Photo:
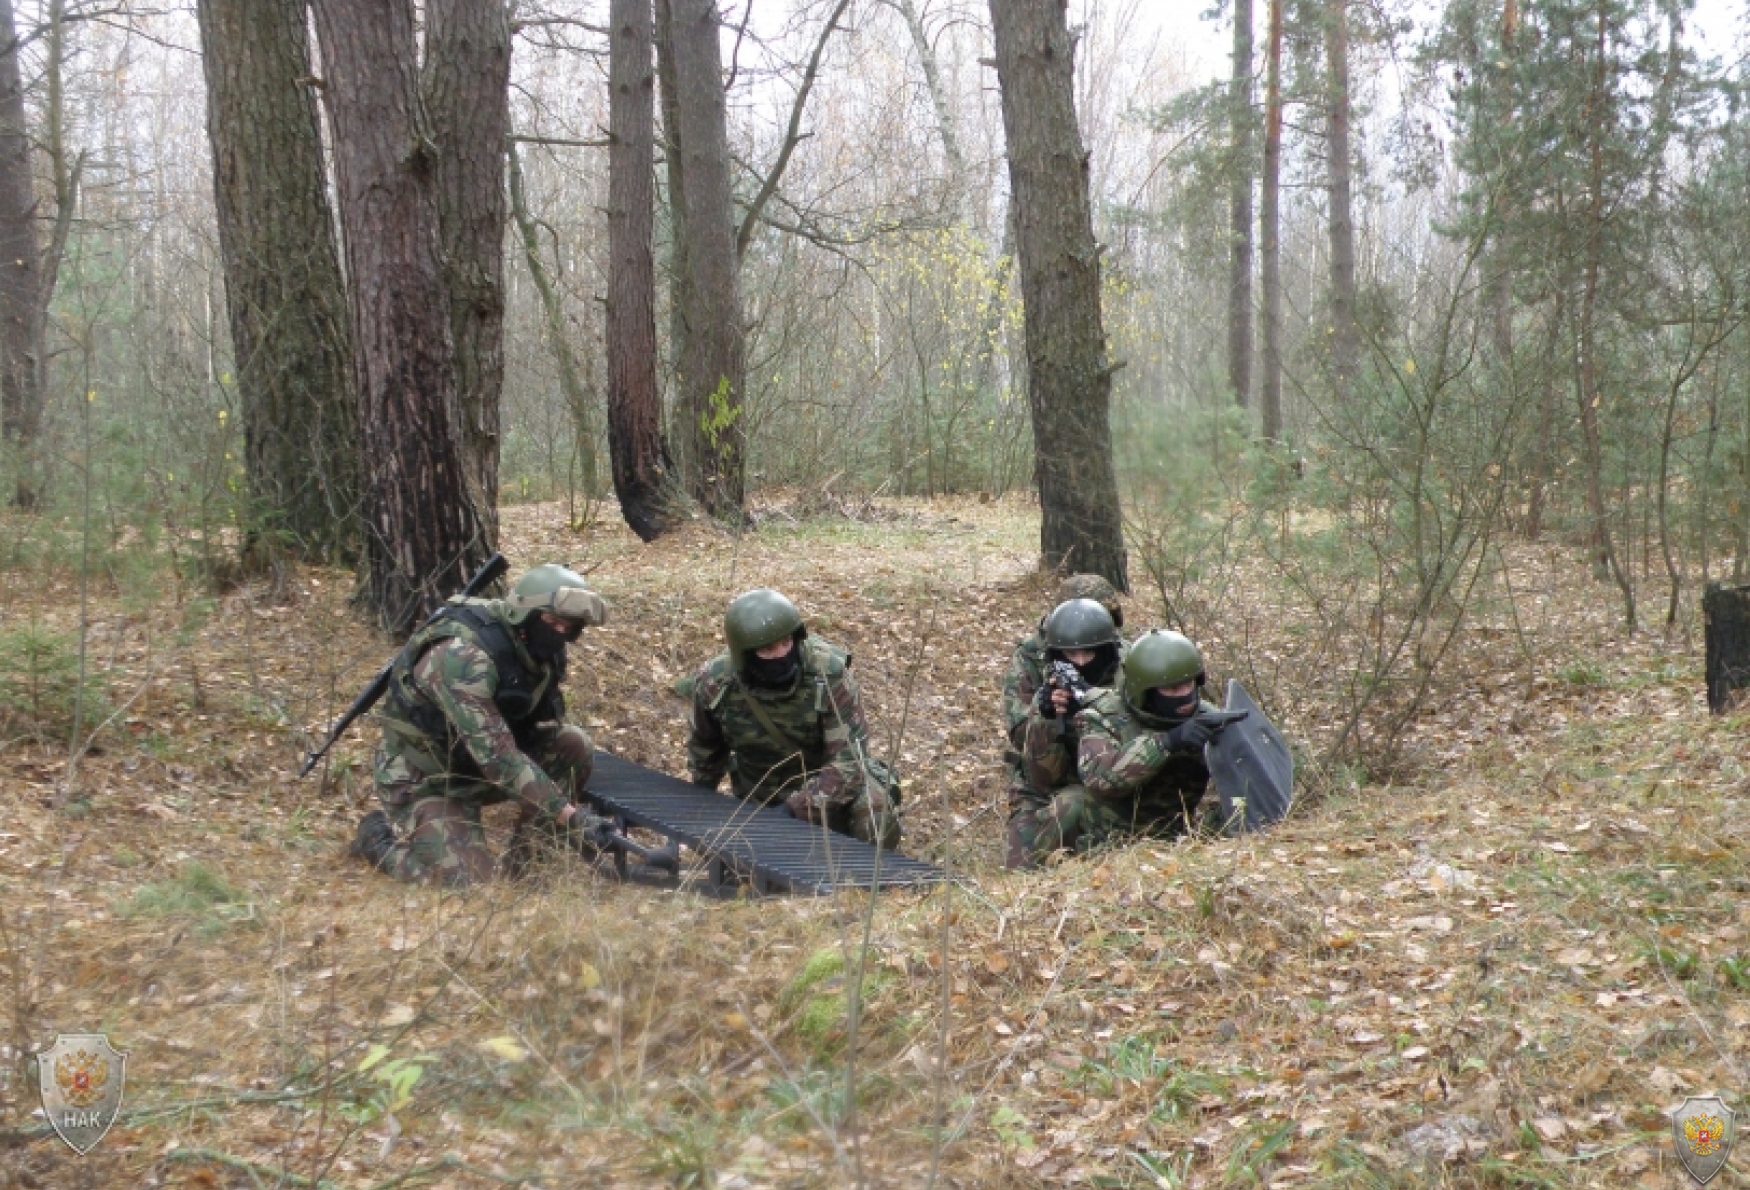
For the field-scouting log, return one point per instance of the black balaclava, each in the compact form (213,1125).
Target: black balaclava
(1098,672)
(773,673)
(1175,709)
(547,643)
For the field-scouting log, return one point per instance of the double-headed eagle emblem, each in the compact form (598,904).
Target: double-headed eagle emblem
(1702,1131)
(82,1076)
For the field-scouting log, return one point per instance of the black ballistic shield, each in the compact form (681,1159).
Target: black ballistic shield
(1251,765)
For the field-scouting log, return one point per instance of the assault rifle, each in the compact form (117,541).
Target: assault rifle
(1065,676)
(489,573)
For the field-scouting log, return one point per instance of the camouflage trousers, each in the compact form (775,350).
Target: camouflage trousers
(437,814)
(1075,820)
(872,816)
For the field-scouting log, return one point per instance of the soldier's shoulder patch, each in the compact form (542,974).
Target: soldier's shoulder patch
(711,681)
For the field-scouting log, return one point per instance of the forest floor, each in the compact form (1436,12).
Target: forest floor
(1502,971)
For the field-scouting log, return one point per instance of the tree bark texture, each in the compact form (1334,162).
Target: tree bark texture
(642,478)
(1726,614)
(1239,291)
(467,99)
(1270,232)
(1345,336)
(1069,376)
(284,295)
(712,380)
(21,282)
(423,534)
(679,302)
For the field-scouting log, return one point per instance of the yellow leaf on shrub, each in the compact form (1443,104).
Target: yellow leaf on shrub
(589,977)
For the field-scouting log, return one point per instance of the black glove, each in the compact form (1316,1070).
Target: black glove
(1042,700)
(584,829)
(1189,736)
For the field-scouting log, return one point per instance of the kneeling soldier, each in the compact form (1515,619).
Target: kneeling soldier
(1139,767)
(474,716)
(778,711)
(1026,674)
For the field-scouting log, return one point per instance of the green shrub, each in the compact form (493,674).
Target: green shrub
(39,685)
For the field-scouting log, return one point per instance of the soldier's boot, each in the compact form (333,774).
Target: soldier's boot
(375,838)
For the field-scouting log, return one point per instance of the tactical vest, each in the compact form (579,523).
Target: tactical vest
(1183,774)
(524,697)
(777,737)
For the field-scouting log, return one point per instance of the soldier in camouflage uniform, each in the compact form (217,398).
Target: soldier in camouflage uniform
(1139,767)
(474,716)
(1021,685)
(778,712)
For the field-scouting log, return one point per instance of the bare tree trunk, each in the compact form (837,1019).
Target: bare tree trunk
(679,298)
(1069,375)
(423,534)
(939,98)
(1270,230)
(574,383)
(1605,563)
(284,294)
(466,87)
(712,382)
(642,477)
(21,283)
(1239,291)
(1345,337)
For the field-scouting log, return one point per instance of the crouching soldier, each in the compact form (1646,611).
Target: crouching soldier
(1139,767)
(1021,684)
(474,716)
(1082,655)
(779,713)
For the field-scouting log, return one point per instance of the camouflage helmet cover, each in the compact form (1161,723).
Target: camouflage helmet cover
(1092,586)
(559,592)
(756,619)
(1080,624)
(1159,658)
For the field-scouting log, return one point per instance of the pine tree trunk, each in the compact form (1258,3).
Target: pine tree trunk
(21,279)
(466,88)
(642,477)
(1239,292)
(1069,376)
(712,382)
(284,294)
(1345,337)
(679,288)
(423,534)
(1270,231)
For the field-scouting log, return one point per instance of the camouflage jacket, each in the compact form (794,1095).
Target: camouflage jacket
(443,713)
(1048,762)
(1020,684)
(819,722)
(1117,759)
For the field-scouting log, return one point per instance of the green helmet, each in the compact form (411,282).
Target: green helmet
(1079,624)
(559,592)
(1159,658)
(1092,586)
(756,619)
